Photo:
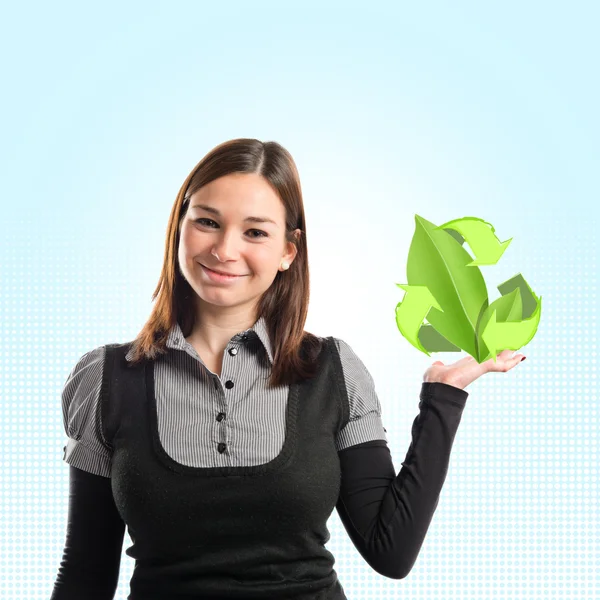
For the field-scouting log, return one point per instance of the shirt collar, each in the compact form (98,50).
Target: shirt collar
(177,341)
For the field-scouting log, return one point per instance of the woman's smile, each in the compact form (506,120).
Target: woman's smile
(218,278)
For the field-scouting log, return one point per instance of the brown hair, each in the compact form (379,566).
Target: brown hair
(284,305)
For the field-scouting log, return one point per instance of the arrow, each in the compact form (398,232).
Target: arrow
(480,236)
(412,310)
(498,336)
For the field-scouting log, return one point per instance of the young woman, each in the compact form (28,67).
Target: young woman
(225,434)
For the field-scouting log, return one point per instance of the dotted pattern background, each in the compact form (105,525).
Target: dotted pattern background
(518,512)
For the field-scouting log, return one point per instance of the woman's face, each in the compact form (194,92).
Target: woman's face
(220,237)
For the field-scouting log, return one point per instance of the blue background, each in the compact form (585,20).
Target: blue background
(390,110)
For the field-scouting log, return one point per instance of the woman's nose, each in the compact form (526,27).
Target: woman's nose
(225,248)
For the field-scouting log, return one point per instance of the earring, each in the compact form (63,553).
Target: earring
(285,265)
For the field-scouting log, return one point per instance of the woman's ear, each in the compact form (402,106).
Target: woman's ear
(291,254)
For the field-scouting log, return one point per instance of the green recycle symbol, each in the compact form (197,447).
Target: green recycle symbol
(445,286)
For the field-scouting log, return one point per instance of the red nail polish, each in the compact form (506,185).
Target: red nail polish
(523,359)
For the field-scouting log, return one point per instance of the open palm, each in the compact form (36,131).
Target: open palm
(466,370)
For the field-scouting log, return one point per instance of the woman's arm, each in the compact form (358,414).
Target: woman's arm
(92,554)
(387,514)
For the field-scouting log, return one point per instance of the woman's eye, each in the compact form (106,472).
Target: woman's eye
(203,221)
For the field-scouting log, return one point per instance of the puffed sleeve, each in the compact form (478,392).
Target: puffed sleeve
(365,422)
(85,447)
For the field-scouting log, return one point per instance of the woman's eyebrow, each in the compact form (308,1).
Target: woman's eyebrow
(216,212)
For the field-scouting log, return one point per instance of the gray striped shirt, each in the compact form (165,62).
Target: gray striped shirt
(195,414)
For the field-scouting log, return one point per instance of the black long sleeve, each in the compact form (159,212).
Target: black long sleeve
(387,515)
(95,531)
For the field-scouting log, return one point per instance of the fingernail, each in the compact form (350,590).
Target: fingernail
(523,359)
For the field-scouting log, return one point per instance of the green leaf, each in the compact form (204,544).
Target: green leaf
(437,260)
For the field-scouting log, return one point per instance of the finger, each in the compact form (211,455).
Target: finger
(508,363)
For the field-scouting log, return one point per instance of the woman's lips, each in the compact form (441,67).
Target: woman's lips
(219,278)
(221,272)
